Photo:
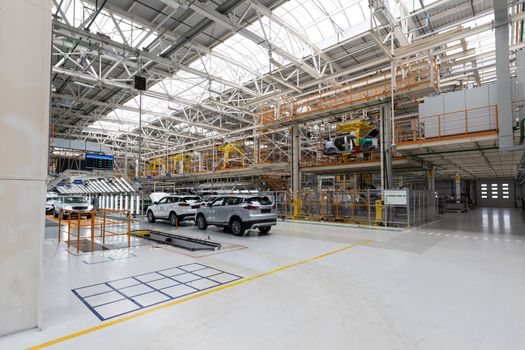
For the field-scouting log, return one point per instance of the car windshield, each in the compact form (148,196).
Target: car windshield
(74,200)
(259,200)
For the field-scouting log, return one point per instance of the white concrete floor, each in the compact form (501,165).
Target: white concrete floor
(457,283)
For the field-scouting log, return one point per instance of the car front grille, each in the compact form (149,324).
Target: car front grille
(80,208)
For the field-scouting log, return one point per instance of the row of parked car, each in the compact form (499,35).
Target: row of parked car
(235,212)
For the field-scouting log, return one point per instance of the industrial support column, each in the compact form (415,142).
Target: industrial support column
(431,177)
(503,85)
(296,176)
(25,61)
(457,188)
(256,147)
(386,139)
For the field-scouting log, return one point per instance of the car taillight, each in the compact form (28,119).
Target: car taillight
(273,206)
(250,207)
(184,205)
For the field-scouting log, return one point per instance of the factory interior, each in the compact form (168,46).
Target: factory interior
(305,174)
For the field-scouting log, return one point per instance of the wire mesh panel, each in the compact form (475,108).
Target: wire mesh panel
(365,207)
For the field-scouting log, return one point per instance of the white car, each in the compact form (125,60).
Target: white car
(50,202)
(72,203)
(174,208)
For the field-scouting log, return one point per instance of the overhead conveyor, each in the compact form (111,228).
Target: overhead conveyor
(191,244)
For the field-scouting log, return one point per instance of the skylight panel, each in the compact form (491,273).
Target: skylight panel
(78,13)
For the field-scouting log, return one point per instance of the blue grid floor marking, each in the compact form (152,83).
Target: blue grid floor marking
(119,297)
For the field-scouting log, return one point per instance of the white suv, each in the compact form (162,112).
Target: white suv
(174,208)
(72,205)
(238,213)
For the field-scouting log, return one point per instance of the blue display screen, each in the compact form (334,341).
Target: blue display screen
(99,161)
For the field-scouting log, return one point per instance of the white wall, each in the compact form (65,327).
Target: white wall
(25,37)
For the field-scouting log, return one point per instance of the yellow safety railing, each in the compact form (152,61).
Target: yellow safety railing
(95,227)
(354,93)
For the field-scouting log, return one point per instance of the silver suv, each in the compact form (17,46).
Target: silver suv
(174,208)
(238,213)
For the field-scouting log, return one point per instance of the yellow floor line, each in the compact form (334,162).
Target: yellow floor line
(188,298)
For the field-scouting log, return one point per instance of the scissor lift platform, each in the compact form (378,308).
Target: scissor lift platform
(188,243)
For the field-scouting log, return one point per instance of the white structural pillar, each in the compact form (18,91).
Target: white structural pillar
(503,84)
(131,204)
(25,41)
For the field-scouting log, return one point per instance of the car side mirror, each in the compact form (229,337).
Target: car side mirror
(208,204)
(155,202)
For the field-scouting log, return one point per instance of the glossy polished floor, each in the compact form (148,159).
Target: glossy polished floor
(456,283)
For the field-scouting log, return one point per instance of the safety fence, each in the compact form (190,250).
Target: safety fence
(364,207)
(346,158)
(448,125)
(87,234)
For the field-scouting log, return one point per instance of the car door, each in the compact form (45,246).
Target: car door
(229,206)
(160,208)
(214,210)
(223,210)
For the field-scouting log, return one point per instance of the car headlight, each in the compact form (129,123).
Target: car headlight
(68,207)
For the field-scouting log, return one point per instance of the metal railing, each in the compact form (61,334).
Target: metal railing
(353,93)
(94,228)
(346,158)
(450,125)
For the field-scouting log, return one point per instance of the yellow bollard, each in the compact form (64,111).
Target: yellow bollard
(296,207)
(379,210)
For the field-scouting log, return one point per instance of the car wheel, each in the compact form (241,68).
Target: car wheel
(237,227)
(265,229)
(151,217)
(55,214)
(64,216)
(174,219)
(201,222)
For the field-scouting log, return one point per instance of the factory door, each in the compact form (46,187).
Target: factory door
(496,193)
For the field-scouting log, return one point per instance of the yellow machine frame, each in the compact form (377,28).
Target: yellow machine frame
(227,150)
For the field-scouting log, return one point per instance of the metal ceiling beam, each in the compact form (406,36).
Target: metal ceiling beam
(144,111)
(94,118)
(209,12)
(130,52)
(149,93)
